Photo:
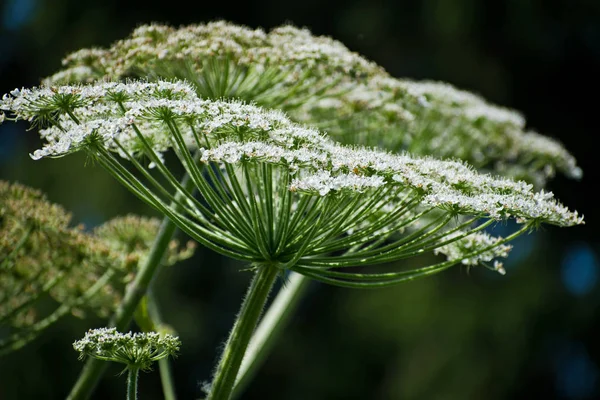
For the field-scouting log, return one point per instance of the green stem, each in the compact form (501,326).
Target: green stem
(166,378)
(275,320)
(94,369)
(132,380)
(252,307)
(164,364)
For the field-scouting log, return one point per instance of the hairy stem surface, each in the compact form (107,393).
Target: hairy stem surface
(132,379)
(268,331)
(247,319)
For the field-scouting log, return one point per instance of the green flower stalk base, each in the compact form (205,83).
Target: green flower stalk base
(269,330)
(132,379)
(252,307)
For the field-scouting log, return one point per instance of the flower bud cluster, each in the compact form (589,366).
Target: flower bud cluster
(42,255)
(484,245)
(134,235)
(39,252)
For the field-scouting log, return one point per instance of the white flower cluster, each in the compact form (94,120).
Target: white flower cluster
(28,104)
(147,120)
(100,118)
(434,118)
(323,182)
(134,349)
(224,60)
(321,82)
(452,186)
(474,248)
(286,47)
(536,147)
(433,94)
(293,159)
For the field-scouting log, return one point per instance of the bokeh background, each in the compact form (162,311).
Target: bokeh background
(464,334)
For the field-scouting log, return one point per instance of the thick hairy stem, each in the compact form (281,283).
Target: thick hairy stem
(268,331)
(247,319)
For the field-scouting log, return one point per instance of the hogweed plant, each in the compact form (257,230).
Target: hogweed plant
(248,114)
(138,351)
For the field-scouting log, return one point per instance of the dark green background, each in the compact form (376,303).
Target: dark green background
(460,335)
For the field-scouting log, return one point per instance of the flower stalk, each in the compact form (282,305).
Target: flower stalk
(270,327)
(153,322)
(245,324)
(132,383)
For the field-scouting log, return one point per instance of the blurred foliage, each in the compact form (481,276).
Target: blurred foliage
(461,335)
